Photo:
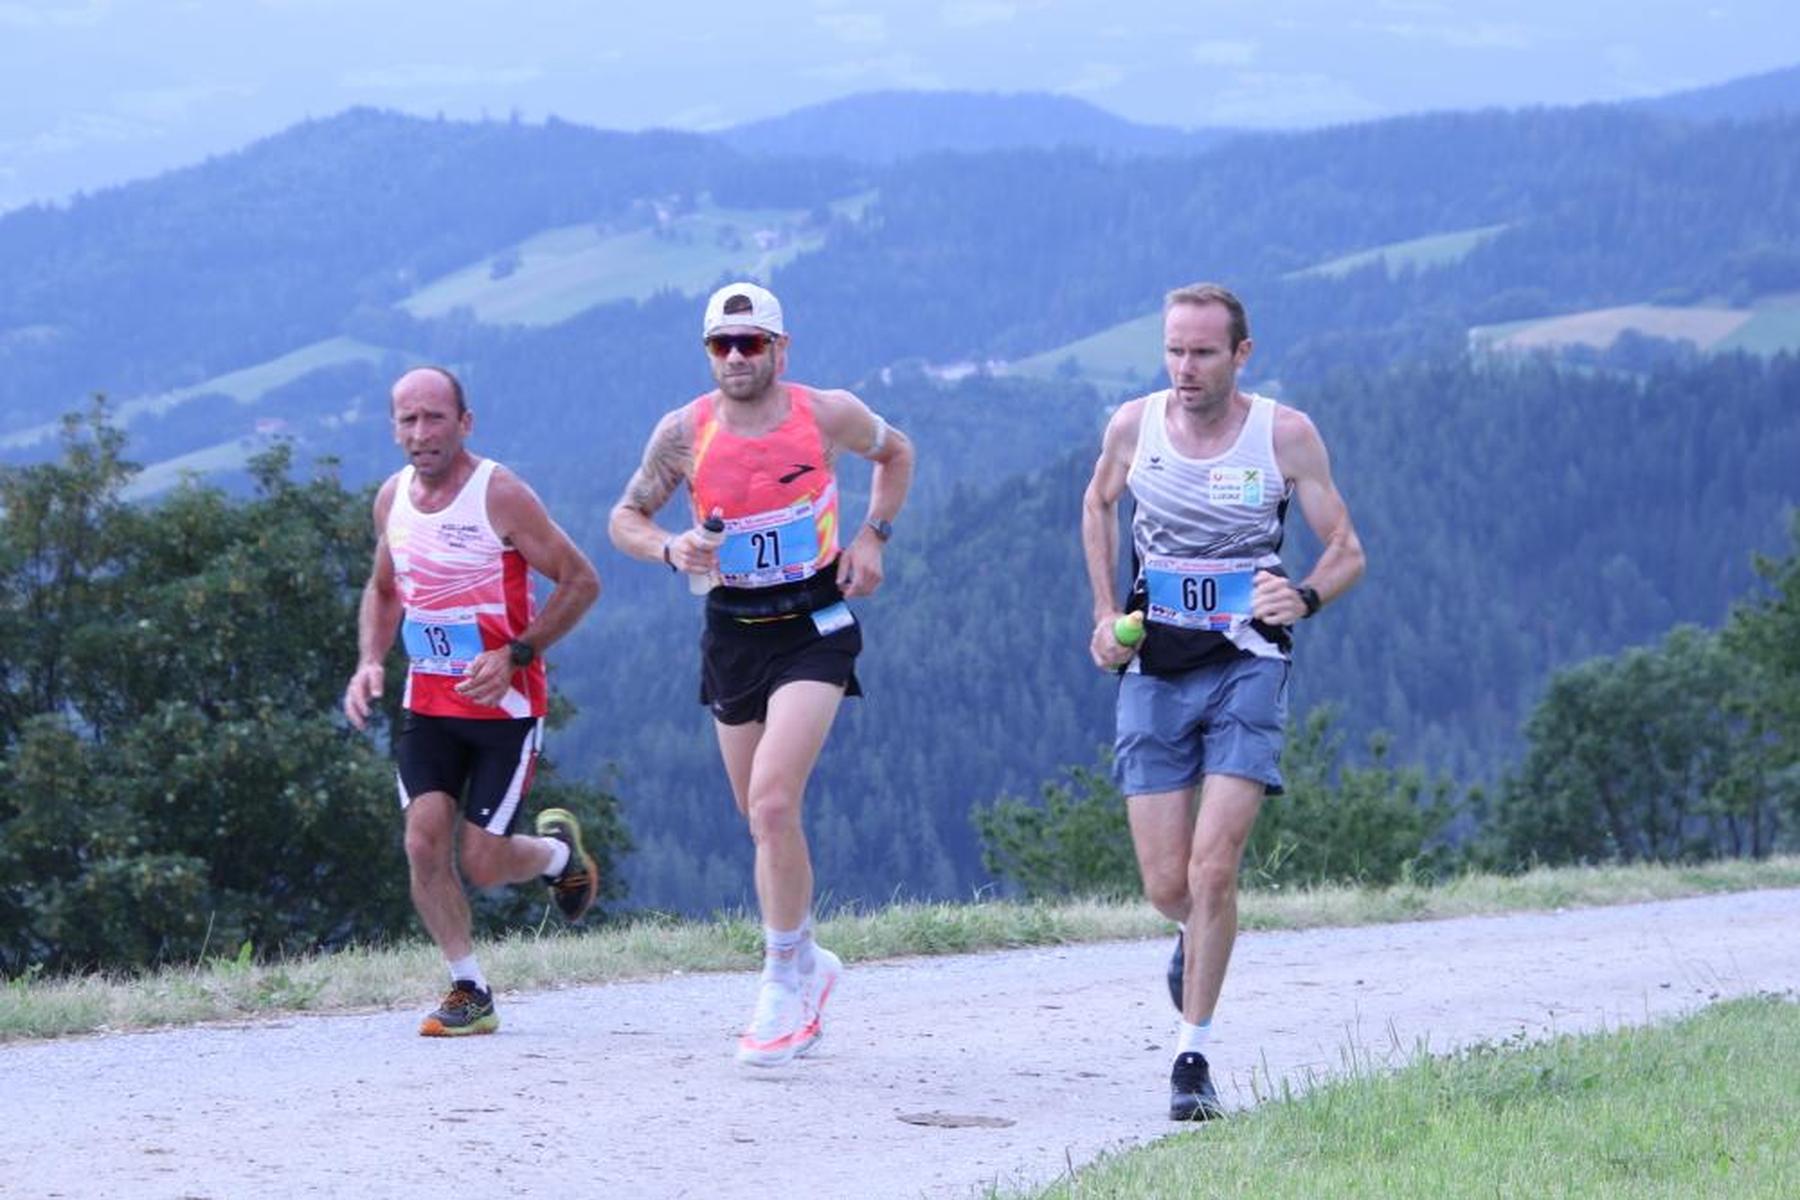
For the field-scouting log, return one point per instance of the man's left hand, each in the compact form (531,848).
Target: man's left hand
(859,567)
(488,677)
(1275,599)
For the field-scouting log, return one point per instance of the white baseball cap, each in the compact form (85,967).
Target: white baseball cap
(742,304)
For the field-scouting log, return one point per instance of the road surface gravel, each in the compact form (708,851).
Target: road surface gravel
(939,1076)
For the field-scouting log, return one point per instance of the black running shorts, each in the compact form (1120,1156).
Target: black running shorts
(486,764)
(743,662)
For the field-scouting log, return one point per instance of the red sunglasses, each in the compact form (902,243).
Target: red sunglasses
(720,345)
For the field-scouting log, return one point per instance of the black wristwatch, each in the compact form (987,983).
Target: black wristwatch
(883,529)
(523,653)
(1309,596)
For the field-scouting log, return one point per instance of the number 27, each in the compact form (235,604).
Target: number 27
(768,548)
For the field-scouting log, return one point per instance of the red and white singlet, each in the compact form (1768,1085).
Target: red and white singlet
(465,591)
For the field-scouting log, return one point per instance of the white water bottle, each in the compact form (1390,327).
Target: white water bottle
(711,533)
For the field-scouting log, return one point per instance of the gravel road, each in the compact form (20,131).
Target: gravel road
(939,1076)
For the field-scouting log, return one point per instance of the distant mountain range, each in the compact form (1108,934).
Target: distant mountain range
(428,237)
(1768,94)
(883,127)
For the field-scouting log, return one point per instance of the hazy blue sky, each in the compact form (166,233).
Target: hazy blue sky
(100,91)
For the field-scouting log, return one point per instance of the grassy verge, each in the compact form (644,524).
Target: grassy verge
(236,988)
(1703,1107)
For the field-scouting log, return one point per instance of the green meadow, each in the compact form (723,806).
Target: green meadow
(208,460)
(246,386)
(1128,356)
(1123,357)
(556,274)
(1434,250)
(1702,1107)
(1771,330)
(1770,327)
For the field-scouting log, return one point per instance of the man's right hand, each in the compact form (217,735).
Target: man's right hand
(1104,646)
(693,553)
(362,691)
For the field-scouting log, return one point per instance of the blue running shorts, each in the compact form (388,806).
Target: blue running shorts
(1225,718)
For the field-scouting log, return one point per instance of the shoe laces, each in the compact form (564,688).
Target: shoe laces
(574,873)
(462,996)
(1190,1073)
(777,1009)
(813,982)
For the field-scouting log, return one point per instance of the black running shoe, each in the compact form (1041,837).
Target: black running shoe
(1177,965)
(467,1009)
(575,888)
(1191,1094)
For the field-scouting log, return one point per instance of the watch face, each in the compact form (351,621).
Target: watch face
(883,529)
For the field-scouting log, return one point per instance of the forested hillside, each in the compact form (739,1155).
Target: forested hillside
(1520,514)
(1762,95)
(324,229)
(163,283)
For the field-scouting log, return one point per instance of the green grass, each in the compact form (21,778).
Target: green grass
(246,386)
(208,460)
(1770,328)
(1435,250)
(1491,335)
(1768,332)
(1128,356)
(564,271)
(1543,890)
(1704,1107)
(1124,357)
(236,987)
(253,383)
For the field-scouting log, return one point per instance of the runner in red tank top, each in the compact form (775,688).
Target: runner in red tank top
(455,539)
(779,650)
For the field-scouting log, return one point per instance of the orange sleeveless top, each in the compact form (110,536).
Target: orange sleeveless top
(777,493)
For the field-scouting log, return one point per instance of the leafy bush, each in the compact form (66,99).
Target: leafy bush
(1343,823)
(1640,757)
(1074,841)
(1334,823)
(175,776)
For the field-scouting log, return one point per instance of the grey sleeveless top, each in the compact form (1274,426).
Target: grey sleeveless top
(1228,507)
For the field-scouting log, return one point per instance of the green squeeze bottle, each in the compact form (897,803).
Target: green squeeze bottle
(1128,630)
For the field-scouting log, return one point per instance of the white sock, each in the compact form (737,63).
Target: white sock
(559,856)
(467,969)
(1194,1037)
(804,958)
(781,952)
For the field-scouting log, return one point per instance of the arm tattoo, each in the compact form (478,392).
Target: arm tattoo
(665,466)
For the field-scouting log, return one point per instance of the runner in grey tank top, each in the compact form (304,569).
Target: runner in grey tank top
(1203,697)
